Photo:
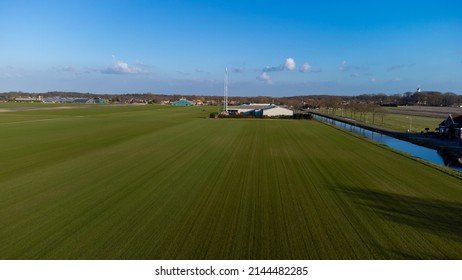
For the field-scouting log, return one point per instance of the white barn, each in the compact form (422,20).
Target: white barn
(274,110)
(265,110)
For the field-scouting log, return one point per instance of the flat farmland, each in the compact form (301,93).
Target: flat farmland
(152,182)
(426,111)
(403,118)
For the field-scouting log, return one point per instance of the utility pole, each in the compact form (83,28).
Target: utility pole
(410,123)
(225,101)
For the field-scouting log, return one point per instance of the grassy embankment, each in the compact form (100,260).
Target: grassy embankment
(166,183)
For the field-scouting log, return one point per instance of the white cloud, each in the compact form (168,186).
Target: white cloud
(265,77)
(69,69)
(290,64)
(120,67)
(305,68)
(399,66)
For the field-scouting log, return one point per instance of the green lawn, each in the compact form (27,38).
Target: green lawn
(399,122)
(413,123)
(152,182)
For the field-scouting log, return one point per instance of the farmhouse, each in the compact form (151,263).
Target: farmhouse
(260,110)
(182,102)
(451,127)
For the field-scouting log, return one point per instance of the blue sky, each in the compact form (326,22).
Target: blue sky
(275,48)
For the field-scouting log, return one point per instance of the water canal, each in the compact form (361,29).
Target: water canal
(401,145)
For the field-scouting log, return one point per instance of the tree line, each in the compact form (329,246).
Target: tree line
(424,98)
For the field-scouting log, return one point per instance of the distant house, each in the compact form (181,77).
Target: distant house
(260,110)
(182,102)
(451,127)
(97,100)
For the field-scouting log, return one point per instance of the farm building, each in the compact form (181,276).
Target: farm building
(260,110)
(29,99)
(274,110)
(451,127)
(80,100)
(182,102)
(58,99)
(95,100)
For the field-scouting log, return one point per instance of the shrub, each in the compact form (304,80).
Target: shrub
(301,116)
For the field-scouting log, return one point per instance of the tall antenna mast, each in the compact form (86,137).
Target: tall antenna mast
(225,101)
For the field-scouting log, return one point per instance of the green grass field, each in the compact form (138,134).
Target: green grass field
(394,121)
(153,182)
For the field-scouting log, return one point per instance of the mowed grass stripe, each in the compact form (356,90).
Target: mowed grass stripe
(30,146)
(111,181)
(178,186)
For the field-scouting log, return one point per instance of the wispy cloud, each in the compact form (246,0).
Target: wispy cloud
(183,73)
(354,71)
(305,68)
(273,68)
(264,76)
(238,69)
(10,72)
(344,67)
(200,71)
(122,68)
(289,64)
(67,68)
(399,66)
